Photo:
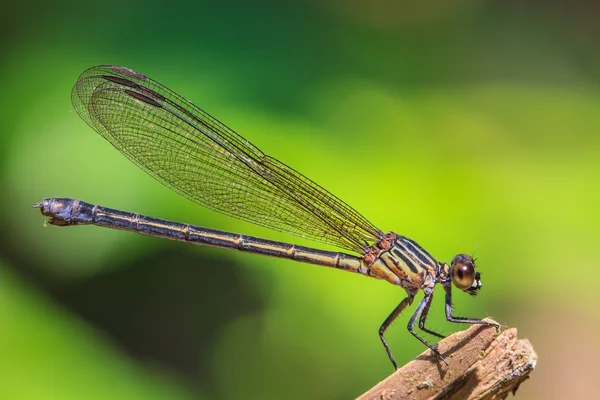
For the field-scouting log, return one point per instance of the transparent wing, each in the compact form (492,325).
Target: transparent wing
(203,160)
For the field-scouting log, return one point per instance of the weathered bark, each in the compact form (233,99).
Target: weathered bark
(484,364)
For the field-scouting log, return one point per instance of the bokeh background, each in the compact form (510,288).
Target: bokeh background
(469,126)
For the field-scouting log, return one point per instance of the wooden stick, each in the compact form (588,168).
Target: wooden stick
(484,364)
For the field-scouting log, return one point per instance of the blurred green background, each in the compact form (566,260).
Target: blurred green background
(471,126)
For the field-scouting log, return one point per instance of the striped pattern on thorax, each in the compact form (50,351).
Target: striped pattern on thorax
(406,264)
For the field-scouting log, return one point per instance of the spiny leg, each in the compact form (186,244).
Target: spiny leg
(413,320)
(424,317)
(462,320)
(403,304)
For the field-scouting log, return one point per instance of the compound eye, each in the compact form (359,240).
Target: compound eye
(463,272)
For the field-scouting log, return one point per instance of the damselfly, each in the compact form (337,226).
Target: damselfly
(203,160)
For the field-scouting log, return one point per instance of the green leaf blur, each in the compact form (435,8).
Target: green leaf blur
(471,127)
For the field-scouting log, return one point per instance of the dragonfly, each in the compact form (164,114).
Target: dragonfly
(202,159)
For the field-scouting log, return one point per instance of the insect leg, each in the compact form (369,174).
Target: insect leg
(403,304)
(462,320)
(413,320)
(424,317)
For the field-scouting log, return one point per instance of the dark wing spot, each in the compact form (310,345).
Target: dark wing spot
(143,98)
(131,84)
(151,93)
(120,81)
(128,72)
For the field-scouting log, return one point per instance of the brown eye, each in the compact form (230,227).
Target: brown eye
(463,271)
